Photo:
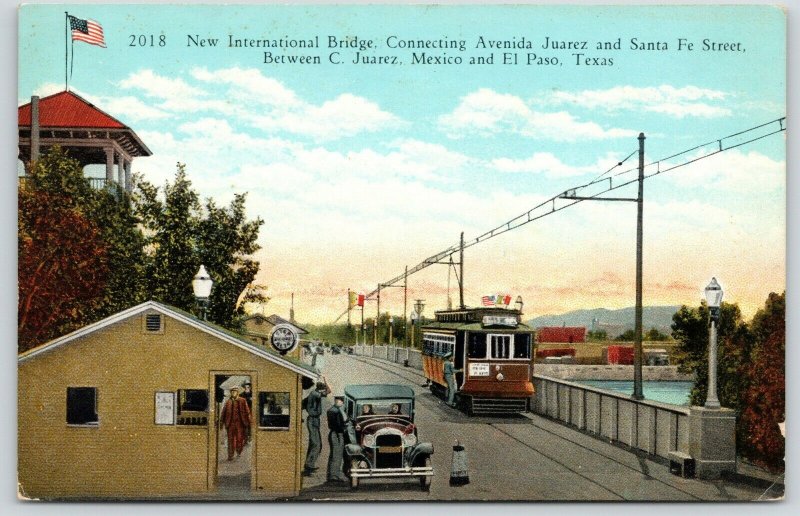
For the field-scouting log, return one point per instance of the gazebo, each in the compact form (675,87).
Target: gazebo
(90,135)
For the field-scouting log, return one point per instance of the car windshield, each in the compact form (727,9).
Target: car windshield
(383,408)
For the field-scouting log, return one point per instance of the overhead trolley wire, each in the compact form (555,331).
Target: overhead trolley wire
(532,214)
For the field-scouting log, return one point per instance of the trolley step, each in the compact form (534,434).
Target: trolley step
(498,405)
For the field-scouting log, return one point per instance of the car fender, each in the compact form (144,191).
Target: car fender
(419,451)
(354,451)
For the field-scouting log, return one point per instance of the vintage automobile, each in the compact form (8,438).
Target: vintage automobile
(382,436)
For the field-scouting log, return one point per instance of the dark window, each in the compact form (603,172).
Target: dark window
(192,407)
(522,346)
(152,322)
(273,409)
(477,345)
(82,406)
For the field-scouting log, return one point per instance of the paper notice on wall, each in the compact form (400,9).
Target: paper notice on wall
(165,408)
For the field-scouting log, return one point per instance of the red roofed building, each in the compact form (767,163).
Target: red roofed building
(87,133)
(565,334)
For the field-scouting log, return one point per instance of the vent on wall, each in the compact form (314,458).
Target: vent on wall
(152,322)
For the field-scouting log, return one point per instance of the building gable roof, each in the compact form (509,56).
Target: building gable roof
(275,320)
(184,317)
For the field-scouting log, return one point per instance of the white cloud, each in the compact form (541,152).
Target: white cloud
(274,107)
(488,112)
(548,164)
(733,171)
(664,99)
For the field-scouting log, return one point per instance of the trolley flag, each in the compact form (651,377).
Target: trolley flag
(495,300)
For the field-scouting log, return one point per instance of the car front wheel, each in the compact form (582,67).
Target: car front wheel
(425,482)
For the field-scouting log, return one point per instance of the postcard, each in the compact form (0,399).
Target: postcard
(401,253)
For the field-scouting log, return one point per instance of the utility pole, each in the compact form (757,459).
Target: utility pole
(638,393)
(377,318)
(348,309)
(405,305)
(461,274)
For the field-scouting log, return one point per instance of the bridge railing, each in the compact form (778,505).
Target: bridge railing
(650,426)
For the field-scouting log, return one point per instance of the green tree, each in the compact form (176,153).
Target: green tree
(626,336)
(690,330)
(180,236)
(597,335)
(655,336)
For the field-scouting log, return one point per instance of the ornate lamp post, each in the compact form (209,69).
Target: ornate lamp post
(201,285)
(391,328)
(713,298)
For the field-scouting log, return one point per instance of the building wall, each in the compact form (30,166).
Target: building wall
(127,454)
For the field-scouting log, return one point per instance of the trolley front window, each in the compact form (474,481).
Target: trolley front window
(522,346)
(501,346)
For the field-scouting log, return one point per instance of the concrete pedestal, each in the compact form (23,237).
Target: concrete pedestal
(712,441)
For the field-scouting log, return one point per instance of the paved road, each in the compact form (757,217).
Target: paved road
(516,458)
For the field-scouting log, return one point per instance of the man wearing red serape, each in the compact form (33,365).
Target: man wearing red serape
(236,418)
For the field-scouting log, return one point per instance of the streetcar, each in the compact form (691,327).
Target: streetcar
(493,352)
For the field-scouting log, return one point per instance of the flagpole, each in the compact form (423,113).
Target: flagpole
(66,54)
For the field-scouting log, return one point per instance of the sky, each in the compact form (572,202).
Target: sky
(361,169)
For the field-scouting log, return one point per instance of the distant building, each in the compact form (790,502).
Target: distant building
(258,328)
(562,334)
(129,407)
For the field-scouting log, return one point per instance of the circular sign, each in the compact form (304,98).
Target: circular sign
(284,338)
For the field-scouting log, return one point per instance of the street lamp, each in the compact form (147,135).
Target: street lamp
(413,325)
(364,332)
(713,298)
(201,285)
(419,306)
(391,328)
(374,332)
(519,303)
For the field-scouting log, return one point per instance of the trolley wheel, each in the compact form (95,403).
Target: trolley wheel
(425,482)
(353,480)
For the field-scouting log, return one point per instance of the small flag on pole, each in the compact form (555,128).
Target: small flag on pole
(88,31)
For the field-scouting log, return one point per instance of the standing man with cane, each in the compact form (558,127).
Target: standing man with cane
(313,406)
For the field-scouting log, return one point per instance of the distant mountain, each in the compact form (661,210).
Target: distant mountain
(614,322)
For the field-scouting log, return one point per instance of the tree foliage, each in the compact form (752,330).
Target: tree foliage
(61,270)
(764,398)
(181,235)
(750,374)
(86,253)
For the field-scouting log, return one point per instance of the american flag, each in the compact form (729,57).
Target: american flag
(488,300)
(88,31)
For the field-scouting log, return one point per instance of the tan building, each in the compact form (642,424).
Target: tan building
(129,407)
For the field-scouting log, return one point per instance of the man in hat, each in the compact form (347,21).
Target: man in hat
(313,406)
(337,425)
(236,418)
(450,378)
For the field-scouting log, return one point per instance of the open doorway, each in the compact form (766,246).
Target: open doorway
(234,405)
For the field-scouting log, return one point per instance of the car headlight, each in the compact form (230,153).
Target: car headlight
(409,440)
(369,440)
